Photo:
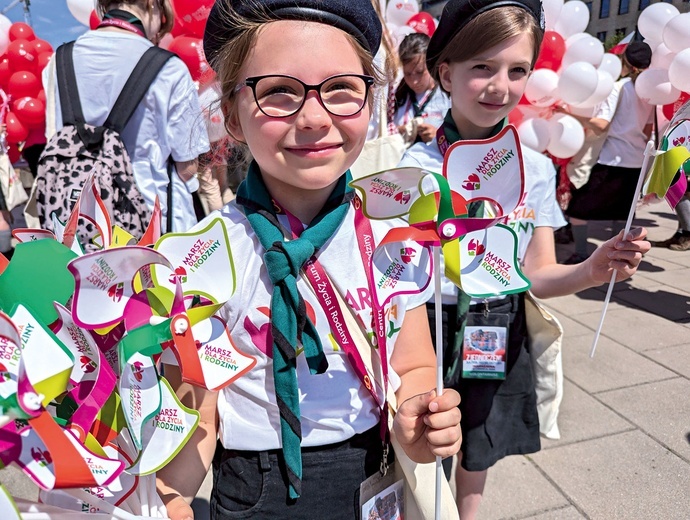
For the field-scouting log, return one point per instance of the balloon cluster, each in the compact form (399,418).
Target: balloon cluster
(403,18)
(572,69)
(666,82)
(23,57)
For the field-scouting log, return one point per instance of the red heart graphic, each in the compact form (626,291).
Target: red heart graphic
(480,249)
(473,178)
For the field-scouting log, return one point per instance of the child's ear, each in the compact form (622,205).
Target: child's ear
(232,123)
(444,76)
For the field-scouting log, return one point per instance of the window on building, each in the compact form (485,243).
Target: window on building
(602,36)
(624,7)
(605,8)
(643,4)
(622,31)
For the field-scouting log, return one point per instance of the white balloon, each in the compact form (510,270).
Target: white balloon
(399,33)
(209,100)
(587,49)
(611,64)
(679,71)
(573,18)
(81,10)
(662,57)
(567,136)
(399,12)
(552,8)
(570,40)
(676,34)
(581,111)
(5,24)
(653,87)
(535,133)
(653,18)
(604,88)
(578,82)
(542,86)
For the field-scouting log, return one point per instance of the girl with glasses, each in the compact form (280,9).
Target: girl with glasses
(300,432)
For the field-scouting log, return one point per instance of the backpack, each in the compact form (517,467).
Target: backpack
(79,150)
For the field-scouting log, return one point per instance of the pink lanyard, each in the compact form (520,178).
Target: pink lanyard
(326,295)
(121,24)
(442,141)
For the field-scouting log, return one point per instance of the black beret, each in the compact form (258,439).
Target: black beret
(356,17)
(638,54)
(458,13)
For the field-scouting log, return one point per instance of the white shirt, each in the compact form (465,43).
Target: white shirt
(625,143)
(166,123)
(433,113)
(538,208)
(334,405)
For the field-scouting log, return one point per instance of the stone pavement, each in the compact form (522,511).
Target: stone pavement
(624,451)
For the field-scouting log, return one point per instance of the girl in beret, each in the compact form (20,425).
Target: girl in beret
(300,432)
(482,54)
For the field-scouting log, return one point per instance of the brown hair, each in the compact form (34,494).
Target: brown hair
(234,53)
(487,30)
(166,7)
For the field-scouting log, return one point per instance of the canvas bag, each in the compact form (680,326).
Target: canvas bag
(79,149)
(420,479)
(12,189)
(382,153)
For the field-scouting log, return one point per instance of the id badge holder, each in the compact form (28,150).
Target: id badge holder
(484,345)
(382,496)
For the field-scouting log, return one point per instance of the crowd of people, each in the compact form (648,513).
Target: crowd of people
(298,434)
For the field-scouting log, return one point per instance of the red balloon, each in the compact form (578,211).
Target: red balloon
(43,60)
(422,23)
(515,117)
(191,52)
(94,20)
(551,52)
(41,46)
(5,73)
(16,131)
(191,16)
(22,56)
(42,96)
(670,109)
(13,152)
(23,84)
(30,111)
(21,31)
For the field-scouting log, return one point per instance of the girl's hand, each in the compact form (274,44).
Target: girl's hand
(428,426)
(623,255)
(426,132)
(179,509)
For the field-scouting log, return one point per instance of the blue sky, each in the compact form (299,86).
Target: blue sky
(51,20)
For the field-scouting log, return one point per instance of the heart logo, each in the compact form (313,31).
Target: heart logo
(403,197)
(116,291)
(407,254)
(180,273)
(472,182)
(678,141)
(475,247)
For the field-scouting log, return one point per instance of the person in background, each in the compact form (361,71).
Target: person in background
(167,125)
(420,103)
(610,189)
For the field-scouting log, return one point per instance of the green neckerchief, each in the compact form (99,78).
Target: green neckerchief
(290,325)
(453,367)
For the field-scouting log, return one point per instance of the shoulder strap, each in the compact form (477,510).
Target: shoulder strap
(135,88)
(67,86)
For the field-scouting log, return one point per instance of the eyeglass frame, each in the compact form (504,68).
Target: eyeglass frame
(252,81)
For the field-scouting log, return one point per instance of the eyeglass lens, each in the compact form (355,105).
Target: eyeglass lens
(281,96)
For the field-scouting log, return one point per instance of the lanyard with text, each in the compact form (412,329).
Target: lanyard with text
(121,24)
(325,293)
(442,141)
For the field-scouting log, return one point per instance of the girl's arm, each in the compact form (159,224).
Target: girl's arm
(179,481)
(425,425)
(550,278)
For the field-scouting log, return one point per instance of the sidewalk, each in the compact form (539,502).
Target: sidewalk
(624,451)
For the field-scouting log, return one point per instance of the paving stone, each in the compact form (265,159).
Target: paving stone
(678,279)
(659,409)
(656,331)
(583,302)
(571,327)
(613,366)
(665,301)
(582,417)
(626,476)
(515,488)
(675,358)
(565,513)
